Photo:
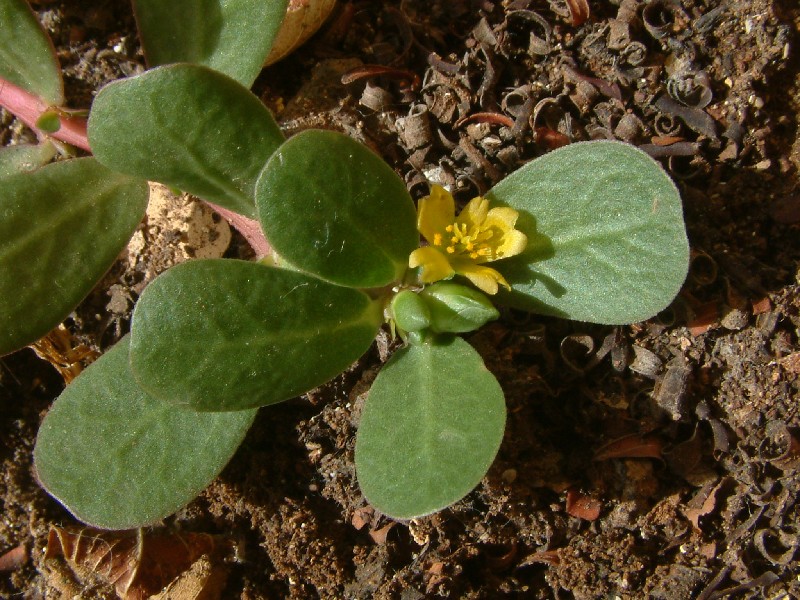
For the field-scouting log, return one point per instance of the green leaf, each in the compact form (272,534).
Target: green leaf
(188,127)
(410,312)
(332,208)
(61,227)
(430,429)
(228,334)
(49,121)
(118,458)
(27,57)
(233,36)
(606,238)
(457,308)
(24,158)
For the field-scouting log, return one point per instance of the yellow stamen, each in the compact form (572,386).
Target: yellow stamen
(450,249)
(437,239)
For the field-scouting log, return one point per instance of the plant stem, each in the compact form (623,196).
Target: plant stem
(28,108)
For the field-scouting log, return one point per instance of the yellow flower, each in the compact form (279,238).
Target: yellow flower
(459,245)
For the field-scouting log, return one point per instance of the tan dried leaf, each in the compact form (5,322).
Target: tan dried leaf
(140,564)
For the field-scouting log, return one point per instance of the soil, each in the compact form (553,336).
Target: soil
(656,460)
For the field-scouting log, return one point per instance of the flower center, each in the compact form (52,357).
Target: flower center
(474,243)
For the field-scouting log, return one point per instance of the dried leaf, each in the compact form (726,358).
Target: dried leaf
(705,317)
(204,580)
(762,306)
(582,506)
(138,564)
(369,71)
(14,558)
(551,138)
(631,446)
(361,517)
(704,501)
(486,117)
(684,458)
(379,535)
(547,557)
(67,356)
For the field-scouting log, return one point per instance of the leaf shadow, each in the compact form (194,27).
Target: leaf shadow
(520,270)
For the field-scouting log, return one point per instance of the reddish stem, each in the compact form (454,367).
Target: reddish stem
(250,229)
(28,108)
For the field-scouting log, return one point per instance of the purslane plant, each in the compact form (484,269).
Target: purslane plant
(70,222)
(592,231)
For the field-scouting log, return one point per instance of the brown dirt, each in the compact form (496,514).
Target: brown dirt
(662,464)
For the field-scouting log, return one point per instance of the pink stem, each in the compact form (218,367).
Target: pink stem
(28,108)
(250,229)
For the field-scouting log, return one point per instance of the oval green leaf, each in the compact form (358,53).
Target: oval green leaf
(606,237)
(431,427)
(27,57)
(333,208)
(410,312)
(61,227)
(233,37)
(118,458)
(188,127)
(456,308)
(229,334)
(24,158)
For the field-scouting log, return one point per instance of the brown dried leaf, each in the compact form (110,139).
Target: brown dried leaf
(631,446)
(369,71)
(379,535)
(486,117)
(582,506)
(762,306)
(704,501)
(547,557)
(14,558)
(705,317)
(67,356)
(138,564)
(551,138)
(361,517)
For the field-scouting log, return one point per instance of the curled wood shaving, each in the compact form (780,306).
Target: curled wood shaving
(695,118)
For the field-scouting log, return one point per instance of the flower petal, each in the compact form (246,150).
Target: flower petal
(514,242)
(485,279)
(435,212)
(502,215)
(474,213)
(435,265)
